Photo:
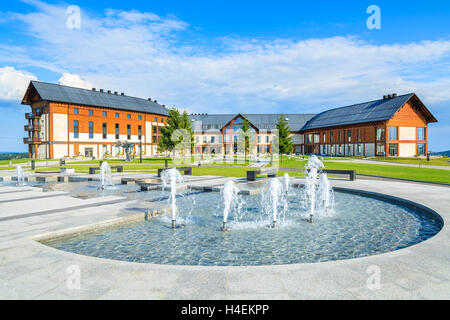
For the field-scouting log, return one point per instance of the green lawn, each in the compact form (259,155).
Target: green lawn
(403,172)
(433,162)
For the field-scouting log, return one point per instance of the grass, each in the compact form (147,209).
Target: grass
(19,161)
(444,161)
(403,172)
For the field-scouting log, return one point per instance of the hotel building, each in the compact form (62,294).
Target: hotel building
(66,122)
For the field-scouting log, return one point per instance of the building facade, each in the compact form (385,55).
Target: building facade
(70,122)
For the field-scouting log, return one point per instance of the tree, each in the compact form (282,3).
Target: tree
(186,124)
(166,142)
(284,139)
(245,129)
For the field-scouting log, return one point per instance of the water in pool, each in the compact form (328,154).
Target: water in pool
(357,226)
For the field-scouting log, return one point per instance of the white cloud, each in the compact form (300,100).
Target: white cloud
(74,80)
(13,83)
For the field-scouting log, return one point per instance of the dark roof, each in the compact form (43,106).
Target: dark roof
(260,121)
(65,94)
(378,110)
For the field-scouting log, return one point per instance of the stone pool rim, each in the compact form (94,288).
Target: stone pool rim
(136,218)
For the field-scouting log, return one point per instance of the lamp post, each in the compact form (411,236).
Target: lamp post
(140,150)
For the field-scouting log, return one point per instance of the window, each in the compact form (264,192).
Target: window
(340,136)
(91,130)
(420,133)
(213,138)
(331,136)
(104,113)
(75,111)
(105,149)
(259,139)
(154,129)
(117,150)
(140,132)
(205,139)
(156,119)
(358,134)
(341,148)
(349,135)
(316,137)
(104,130)
(128,131)
(220,139)
(380,149)
(128,116)
(75,129)
(267,139)
(154,140)
(393,133)
(324,136)
(162,120)
(421,149)
(91,112)
(197,139)
(359,149)
(393,149)
(116,115)
(139,117)
(380,134)
(117,131)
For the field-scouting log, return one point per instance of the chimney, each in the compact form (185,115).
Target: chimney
(101,90)
(109,91)
(156,101)
(122,94)
(93,89)
(149,99)
(116,93)
(394,95)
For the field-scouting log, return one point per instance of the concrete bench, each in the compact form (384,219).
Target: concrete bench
(92,170)
(186,171)
(66,170)
(350,173)
(270,172)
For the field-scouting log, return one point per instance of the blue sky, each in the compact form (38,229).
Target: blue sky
(229,56)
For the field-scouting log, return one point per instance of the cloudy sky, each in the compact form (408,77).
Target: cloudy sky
(228,56)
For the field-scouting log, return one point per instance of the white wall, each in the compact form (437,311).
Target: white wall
(406,149)
(59,151)
(59,127)
(407,133)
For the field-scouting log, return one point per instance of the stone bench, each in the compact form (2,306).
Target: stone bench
(92,170)
(67,170)
(270,172)
(187,171)
(350,173)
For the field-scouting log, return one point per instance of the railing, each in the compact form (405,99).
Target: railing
(32,115)
(31,140)
(36,127)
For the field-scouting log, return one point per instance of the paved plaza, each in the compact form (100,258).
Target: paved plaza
(31,270)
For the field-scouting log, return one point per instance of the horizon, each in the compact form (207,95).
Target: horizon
(275,57)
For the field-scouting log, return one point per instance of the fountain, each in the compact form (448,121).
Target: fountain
(325,194)
(286,183)
(272,199)
(20,176)
(105,175)
(172,177)
(312,167)
(230,194)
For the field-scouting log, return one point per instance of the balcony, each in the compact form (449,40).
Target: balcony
(32,115)
(36,127)
(31,140)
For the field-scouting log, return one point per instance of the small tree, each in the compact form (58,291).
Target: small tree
(166,142)
(245,130)
(284,140)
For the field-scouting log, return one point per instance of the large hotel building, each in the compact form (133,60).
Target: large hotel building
(69,122)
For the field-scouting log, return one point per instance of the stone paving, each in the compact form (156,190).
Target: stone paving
(31,270)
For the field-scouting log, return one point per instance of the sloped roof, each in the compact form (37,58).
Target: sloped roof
(65,94)
(260,121)
(377,110)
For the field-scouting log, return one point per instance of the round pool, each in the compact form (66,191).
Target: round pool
(358,225)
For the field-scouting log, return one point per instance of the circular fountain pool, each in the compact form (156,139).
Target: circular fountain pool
(358,226)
